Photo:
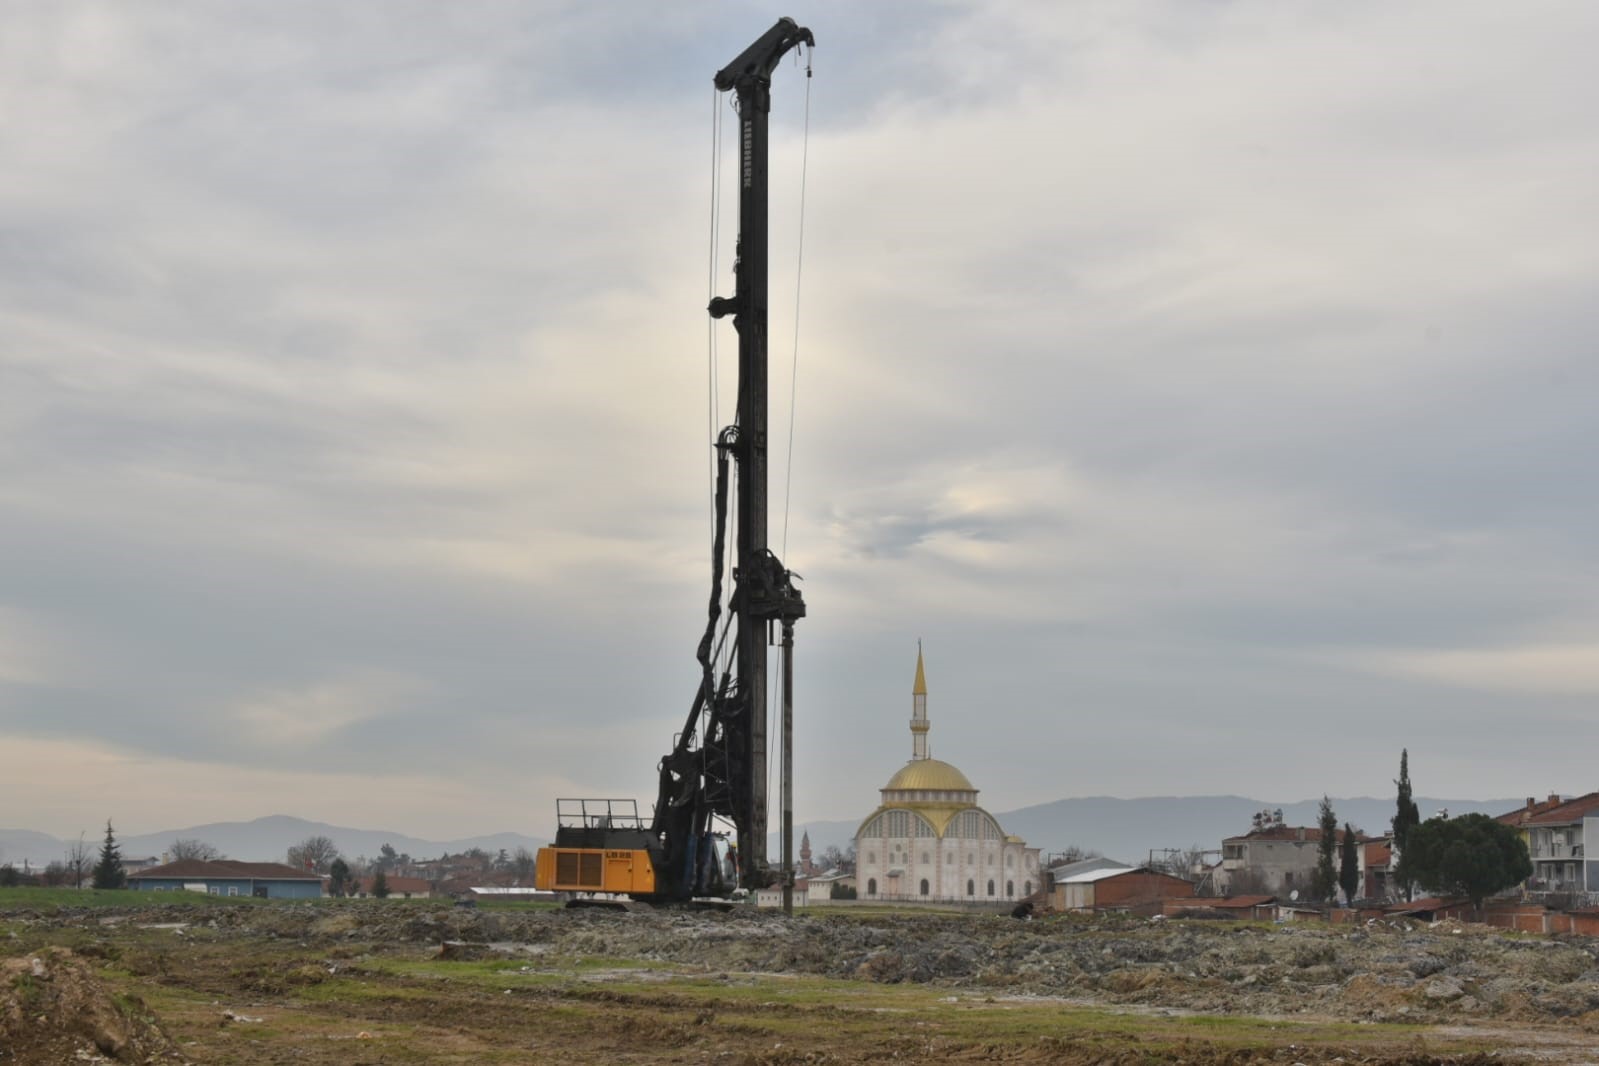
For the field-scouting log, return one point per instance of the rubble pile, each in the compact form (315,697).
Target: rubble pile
(1372,973)
(1376,974)
(54,1009)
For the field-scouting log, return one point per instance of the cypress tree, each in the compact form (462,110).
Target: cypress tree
(1406,817)
(108,872)
(1324,882)
(1406,814)
(1349,865)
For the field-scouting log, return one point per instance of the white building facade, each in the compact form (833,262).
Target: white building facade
(929,841)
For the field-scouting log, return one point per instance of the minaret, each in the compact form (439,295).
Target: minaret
(919,710)
(805,854)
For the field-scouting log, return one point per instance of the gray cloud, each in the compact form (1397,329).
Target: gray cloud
(1194,379)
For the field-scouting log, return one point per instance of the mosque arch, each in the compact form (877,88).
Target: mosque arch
(898,824)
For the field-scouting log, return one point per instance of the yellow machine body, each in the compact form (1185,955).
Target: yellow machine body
(595,870)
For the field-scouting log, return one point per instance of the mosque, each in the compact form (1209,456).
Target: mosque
(929,840)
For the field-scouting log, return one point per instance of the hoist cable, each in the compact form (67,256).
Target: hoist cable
(799,266)
(774,701)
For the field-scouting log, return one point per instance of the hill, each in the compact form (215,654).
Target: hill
(1125,829)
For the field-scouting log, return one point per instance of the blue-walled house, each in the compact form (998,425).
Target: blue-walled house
(228,877)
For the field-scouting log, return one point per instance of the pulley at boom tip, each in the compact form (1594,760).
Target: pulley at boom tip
(759,59)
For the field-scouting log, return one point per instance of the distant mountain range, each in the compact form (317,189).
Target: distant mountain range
(262,840)
(1125,829)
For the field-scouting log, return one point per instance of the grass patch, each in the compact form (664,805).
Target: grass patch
(29,993)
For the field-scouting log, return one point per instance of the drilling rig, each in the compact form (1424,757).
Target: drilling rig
(716,772)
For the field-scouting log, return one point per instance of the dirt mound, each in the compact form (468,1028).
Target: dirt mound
(53,1009)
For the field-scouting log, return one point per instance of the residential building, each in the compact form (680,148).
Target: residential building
(1556,840)
(228,877)
(820,887)
(1376,868)
(772,898)
(1272,858)
(398,887)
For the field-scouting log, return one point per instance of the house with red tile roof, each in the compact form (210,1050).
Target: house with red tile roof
(399,887)
(229,877)
(1556,836)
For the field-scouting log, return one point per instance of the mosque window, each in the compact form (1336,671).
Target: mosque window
(924,863)
(1027,888)
(971,887)
(871,886)
(871,856)
(949,858)
(1010,889)
(1010,860)
(924,886)
(976,825)
(990,888)
(900,824)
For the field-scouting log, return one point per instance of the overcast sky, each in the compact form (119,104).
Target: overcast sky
(1210,386)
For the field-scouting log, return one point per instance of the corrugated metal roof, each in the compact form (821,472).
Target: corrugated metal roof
(1088,876)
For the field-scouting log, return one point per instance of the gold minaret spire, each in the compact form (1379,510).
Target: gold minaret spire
(919,725)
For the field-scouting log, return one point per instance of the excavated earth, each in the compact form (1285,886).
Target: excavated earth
(1485,994)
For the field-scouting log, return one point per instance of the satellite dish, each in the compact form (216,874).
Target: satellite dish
(1293,896)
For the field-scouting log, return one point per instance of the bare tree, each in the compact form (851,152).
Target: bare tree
(522,862)
(314,853)
(189,848)
(1074,854)
(80,857)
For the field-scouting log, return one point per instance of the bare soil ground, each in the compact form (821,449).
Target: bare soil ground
(389,982)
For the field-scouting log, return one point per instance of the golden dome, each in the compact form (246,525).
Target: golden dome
(929,775)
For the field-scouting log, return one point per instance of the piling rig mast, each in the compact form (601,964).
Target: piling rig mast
(717,767)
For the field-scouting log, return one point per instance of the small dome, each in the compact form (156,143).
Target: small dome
(929,775)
